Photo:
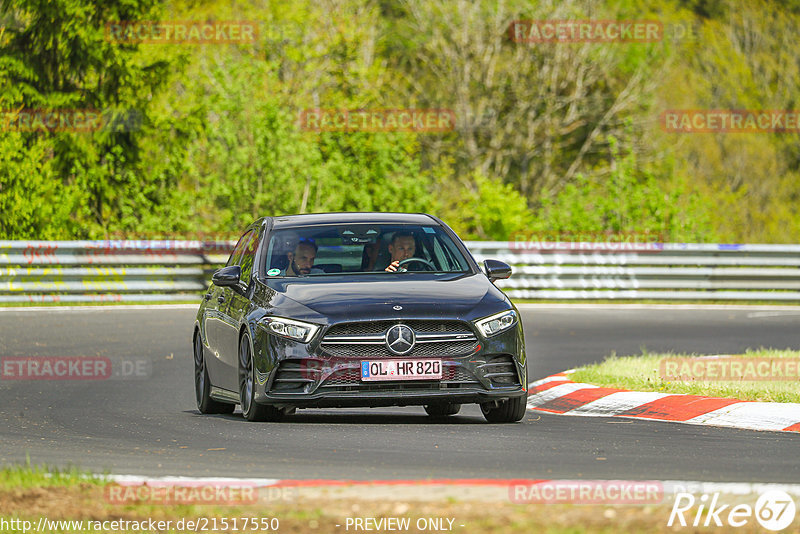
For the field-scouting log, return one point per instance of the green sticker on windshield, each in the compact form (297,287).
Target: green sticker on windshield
(273,272)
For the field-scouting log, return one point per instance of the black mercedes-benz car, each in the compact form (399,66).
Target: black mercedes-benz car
(357,309)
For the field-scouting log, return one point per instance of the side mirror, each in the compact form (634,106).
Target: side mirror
(496,270)
(227,276)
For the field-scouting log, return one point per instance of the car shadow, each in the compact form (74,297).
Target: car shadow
(352,418)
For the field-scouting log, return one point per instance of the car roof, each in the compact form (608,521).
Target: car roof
(314,219)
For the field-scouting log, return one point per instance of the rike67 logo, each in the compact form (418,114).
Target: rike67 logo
(774,510)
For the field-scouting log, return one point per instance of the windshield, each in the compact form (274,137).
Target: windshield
(362,248)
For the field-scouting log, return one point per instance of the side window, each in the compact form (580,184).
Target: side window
(247,258)
(446,257)
(238,249)
(441,257)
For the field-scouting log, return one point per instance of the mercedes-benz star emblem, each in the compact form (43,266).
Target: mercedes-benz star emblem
(400,339)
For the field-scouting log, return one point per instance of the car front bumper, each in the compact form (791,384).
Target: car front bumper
(292,374)
(392,397)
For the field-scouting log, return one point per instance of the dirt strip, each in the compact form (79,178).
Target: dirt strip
(366,508)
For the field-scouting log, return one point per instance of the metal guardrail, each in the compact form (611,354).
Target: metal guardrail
(88,271)
(651,271)
(108,271)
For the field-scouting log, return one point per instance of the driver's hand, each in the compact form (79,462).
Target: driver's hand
(392,268)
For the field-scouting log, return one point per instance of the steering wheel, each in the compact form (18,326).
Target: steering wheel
(425,262)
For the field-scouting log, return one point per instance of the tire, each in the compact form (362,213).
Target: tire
(251,410)
(507,411)
(442,410)
(202,385)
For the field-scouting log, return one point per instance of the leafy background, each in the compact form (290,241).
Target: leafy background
(550,138)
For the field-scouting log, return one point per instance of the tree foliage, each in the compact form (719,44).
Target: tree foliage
(549,137)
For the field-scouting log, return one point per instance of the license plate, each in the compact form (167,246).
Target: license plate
(376,370)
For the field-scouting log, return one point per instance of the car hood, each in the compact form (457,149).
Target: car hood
(347,298)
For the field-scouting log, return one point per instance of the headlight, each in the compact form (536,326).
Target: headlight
(289,328)
(497,323)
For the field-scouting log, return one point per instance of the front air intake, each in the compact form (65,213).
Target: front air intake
(293,376)
(501,370)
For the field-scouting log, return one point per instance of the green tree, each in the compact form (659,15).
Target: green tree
(54,56)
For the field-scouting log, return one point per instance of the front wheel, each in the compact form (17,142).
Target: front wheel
(251,410)
(507,411)
(202,385)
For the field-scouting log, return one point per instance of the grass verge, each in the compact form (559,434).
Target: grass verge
(55,497)
(644,373)
(28,476)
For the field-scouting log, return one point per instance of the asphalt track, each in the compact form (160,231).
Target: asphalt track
(149,425)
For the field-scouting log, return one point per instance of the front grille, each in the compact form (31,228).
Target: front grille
(343,378)
(458,375)
(300,376)
(366,328)
(366,339)
(352,377)
(420,350)
(501,370)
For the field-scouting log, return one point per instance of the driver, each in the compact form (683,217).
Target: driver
(402,247)
(302,259)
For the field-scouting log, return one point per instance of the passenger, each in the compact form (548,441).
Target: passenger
(369,256)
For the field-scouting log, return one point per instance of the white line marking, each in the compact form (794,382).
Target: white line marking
(555,392)
(587,306)
(102,307)
(552,378)
(616,403)
(670,486)
(752,415)
(768,416)
(177,480)
(732,488)
(772,314)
